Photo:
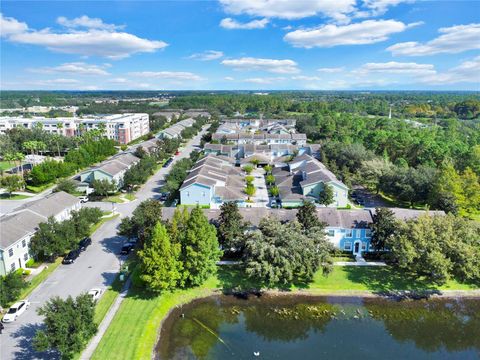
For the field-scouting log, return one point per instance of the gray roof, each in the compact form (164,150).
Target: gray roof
(331,217)
(51,204)
(14,227)
(407,214)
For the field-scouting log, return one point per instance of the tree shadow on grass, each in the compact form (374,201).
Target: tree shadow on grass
(24,336)
(385,279)
(233,279)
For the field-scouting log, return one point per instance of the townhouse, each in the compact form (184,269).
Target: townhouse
(123,128)
(112,170)
(212,181)
(304,178)
(18,227)
(260,138)
(347,230)
(175,131)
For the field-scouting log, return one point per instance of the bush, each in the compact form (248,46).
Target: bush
(31,263)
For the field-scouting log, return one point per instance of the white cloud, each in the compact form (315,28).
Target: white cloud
(10,26)
(366,32)
(207,55)
(87,22)
(91,42)
(285,66)
(453,40)
(380,7)
(394,67)
(291,9)
(119,80)
(229,78)
(466,72)
(79,68)
(168,75)
(231,24)
(331,70)
(264,80)
(306,78)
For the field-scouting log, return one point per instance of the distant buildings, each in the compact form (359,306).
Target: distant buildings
(18,227)
(123,128)
(175,131)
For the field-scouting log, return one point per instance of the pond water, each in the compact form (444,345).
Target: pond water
(296,327)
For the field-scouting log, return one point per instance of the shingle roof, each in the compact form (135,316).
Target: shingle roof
(51,204)
(407,214)
(14,227)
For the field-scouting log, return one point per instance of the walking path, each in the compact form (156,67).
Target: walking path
(260,199)
(88,352)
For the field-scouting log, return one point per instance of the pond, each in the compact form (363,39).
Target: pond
(302,327)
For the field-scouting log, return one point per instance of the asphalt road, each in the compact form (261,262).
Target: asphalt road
(96,267)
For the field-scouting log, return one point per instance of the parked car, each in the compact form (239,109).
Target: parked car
(168,162)
(164,196)
(95,294)
(71,257)
(83,199)
(127,248)
(16,310)
(177,152)
(84,243)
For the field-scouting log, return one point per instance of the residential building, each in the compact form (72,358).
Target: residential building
(304,178)
(18,227)
(123,128)
(260,138)
(175,131)
(212,181)
(112,170)
(347,230)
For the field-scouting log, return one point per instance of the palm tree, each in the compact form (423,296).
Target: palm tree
(14,157)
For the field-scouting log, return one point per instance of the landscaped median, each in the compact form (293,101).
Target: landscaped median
(134,330)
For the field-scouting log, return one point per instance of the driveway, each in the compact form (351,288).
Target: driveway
(96,267)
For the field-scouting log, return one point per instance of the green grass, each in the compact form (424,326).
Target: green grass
(129,196)
(107,299)
(134,329)
(38,279)
(5,196)
(5,165)
(38,189)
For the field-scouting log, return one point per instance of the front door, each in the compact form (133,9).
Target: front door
(356,248)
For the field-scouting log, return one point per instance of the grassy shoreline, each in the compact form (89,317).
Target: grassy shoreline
(134,330)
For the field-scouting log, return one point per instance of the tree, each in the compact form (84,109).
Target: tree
(12,183)
(11,286)
(248,169)
(274,191)
(140,152)
(283,254)
(270,179)
(372,171)
(249,179)
(66,185)
(143,219)
(69,325)
(268,169)
(159,260)
(231,227)
(307,216)
(200,249)
(103,187)
(383,227)
(250,190)
(326,195)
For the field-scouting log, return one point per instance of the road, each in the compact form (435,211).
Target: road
(96,267)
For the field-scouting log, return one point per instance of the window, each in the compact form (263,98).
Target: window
(368,233)
(347,246)
(188,193)
(24,243)
(203,193)
(331,232)
(25,257)
(348,233)
(364,246)
(12,267)
(10,252)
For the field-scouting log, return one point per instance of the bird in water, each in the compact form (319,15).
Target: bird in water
(256,353)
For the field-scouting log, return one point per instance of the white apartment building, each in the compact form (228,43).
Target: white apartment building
(120,127)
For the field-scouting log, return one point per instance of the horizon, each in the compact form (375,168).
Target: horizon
(248,45)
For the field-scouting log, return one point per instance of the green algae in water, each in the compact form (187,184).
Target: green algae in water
(301,327)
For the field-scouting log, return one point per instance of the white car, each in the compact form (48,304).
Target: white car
(95,293)
(16,310)
(83,199)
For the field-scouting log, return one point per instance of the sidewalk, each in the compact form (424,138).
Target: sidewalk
(102,328)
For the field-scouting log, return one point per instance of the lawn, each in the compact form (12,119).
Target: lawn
(134,329)
(38,189)
(107,299)
(5,165)
(5,196)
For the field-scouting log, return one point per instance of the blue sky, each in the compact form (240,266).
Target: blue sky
(240,44)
